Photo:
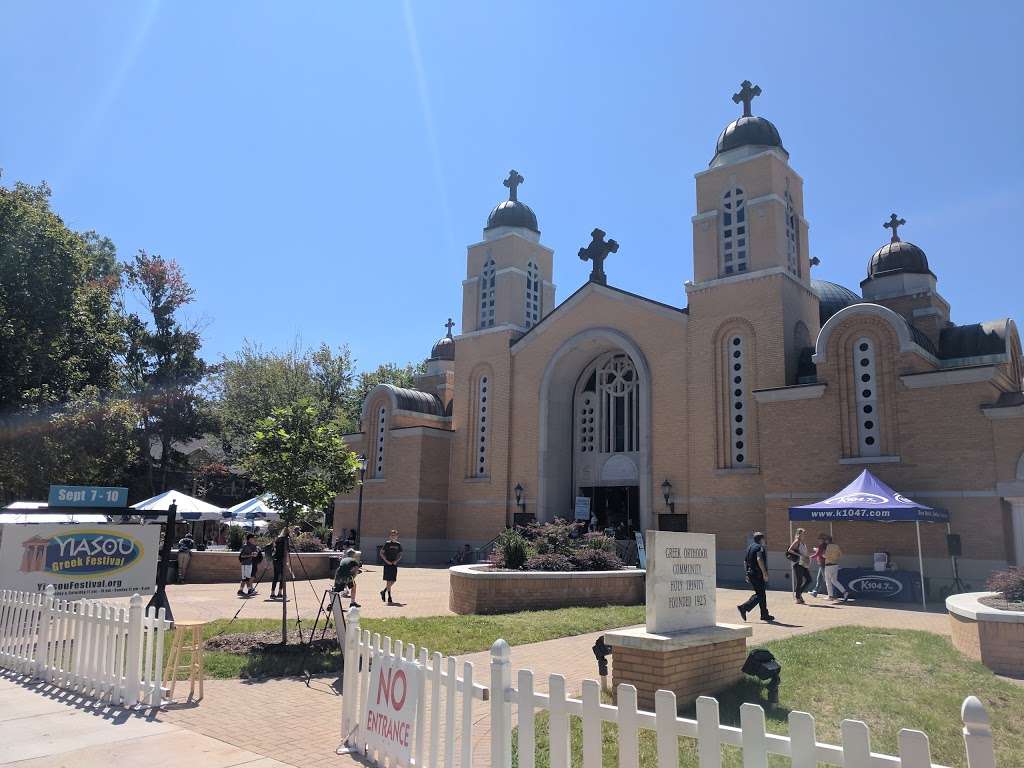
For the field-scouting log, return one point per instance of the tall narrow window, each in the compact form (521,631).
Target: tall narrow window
(487,295)
(737,399)
(585,419)
(378,458)
(866,385)
(792,237)
(619,404)
(483,401)
(532,294)
(734,232)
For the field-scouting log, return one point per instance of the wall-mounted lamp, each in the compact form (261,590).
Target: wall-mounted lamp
(666,491)
(519,496)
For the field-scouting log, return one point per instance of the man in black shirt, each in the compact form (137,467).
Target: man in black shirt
(278,552)
(390,553)
(757,576)
(345,576)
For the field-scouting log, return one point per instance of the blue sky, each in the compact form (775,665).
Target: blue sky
(319,168)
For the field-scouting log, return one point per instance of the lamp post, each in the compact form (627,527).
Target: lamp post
(359,507)
(520,505)
(666,491)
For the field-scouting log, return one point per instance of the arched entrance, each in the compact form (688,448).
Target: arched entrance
(595,430)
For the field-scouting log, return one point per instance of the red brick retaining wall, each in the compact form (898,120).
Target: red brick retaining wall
(220,566)
(993,637)
(476,589)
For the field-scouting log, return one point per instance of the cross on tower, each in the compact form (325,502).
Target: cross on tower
(894,223)
(746,95)
(449,325)
(512,182)
(596,252)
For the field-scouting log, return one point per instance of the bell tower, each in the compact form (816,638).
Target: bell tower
(508,274)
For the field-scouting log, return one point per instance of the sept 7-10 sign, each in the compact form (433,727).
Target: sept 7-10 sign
(391,707)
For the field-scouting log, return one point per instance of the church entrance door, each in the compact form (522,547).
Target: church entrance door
(616,507)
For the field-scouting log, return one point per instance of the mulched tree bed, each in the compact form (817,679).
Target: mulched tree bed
(1001,604)
(270,642)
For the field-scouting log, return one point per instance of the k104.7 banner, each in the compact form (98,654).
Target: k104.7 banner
(79,560)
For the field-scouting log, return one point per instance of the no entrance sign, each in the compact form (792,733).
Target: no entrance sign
(391,707)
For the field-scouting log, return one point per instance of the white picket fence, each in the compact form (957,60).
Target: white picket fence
(89,647)
(517,705)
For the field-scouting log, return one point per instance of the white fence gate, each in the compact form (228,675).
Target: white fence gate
(86,646)
(511,706)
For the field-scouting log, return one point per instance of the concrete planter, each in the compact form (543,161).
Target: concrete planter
(990,635)
(480,589)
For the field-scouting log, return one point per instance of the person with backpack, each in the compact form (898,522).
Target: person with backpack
(832,554)
(757,576)
(797,555)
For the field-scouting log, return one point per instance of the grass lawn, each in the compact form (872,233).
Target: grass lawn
(890,679)
(448,634)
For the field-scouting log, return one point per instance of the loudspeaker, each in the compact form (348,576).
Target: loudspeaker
(953,544)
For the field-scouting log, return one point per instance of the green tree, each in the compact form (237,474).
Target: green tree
(162,363)
(385,373)
(303,462)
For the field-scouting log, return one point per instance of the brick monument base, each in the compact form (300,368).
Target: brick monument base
(691,663)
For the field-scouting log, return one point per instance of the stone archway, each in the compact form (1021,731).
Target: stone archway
(555,489)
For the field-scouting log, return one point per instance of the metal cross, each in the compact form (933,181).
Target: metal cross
(512,182)
(449,325)
(596,252)
(746,95)
(893,223)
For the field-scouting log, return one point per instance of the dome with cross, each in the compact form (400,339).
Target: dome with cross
(444,349)
(897,255)
(512,212)
(748,130)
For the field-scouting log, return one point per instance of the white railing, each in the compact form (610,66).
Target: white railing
(511,706)
(86,646)
(444,697)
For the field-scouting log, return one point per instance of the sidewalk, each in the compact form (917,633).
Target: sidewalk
(45,727)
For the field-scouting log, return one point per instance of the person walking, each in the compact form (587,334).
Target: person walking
(345,577)
(278,551)
(247,557)
(185,546)
(832,554)
(797,555)
(757,576)
(390,553)
(818,557)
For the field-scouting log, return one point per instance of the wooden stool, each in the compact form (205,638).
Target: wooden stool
(194,651)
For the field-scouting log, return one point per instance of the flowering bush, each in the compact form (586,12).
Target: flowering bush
(549,562)
(511,550)
(1009,583)
(553,538)
(589,559)
(306,542)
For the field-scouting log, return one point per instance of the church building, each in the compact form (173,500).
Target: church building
(767,388)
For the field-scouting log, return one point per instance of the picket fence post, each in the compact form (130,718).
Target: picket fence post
(133,667)
(501,715)
(977,734)
(42,666)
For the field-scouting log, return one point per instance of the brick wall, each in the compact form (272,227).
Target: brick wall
(999,645)
(482,594)
(214,567)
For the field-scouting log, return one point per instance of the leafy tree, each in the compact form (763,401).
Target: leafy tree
(162,363)
(252,384)
(303,462)
(385,373)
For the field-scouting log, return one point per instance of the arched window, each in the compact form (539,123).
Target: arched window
(532,294)
(487,295)
(585,407)
(607,404)
(378,448)
(792,237)
(866,386)
(736,383)
(733,232)
(482,426)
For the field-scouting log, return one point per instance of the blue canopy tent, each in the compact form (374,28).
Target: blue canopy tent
(868,499)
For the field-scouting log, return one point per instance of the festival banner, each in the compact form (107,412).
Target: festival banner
(85,560)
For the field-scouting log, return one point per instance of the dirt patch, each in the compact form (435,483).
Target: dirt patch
(1001,604)
(270,642)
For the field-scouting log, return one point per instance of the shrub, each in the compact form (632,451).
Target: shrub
(1009,583)
(511,550)
(588,559)
(550,561)
(552,538)
(236,537)
(306,542)
(598,541)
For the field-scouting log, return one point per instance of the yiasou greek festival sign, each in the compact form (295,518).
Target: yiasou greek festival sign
(391,707)
(80,560)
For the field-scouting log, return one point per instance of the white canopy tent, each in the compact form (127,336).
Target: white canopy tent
(190,509)
(21,512)
(256,508)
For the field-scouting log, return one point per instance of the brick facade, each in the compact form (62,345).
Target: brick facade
(950,431)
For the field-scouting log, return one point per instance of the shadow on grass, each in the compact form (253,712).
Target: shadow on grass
(746,691)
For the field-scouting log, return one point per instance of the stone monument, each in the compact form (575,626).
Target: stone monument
(681,648)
